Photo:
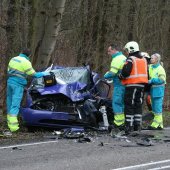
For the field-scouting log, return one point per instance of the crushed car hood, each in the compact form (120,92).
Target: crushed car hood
(71,90)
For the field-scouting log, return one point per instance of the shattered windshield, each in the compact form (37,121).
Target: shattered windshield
(67,75)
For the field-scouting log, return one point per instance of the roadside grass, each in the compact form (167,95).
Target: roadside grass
(23,136)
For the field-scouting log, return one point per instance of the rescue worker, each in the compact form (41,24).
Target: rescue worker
(134,76)
(147,86)
(118,60)
(18,69)
(146,56)
(157,79)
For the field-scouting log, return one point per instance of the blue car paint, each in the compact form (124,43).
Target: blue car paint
(73,91)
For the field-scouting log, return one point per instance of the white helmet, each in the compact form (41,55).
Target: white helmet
(132,47)
(145,55)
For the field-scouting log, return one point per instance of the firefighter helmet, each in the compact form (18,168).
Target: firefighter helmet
(132,47)
(145,55)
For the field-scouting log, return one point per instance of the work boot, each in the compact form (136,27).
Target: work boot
(157,123)
(137,122)
(7,132)
(114,126)
(128,129)
(154,128)
(116,131)
(137,127)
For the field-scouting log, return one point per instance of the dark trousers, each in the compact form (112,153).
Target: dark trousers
(133,100)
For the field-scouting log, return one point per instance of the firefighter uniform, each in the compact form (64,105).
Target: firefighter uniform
(117,63)
(134,91)
(18,69)
(134,76)
(157,80)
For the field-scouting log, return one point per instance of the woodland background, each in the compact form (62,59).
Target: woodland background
(73,32)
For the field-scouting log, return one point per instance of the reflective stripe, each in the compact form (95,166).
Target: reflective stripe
(130,118)
(15,72)
(11,115)
(139,85)
(17,75)
(136,69)
(141,97)
(14,69)
(13,123)
(138,75)
(139,120)
(156,121)
(28,70)
(129,60)
(13,128)
(161,75)
(158,72)
(138,115)
(134,92)
(158,85)
(117,63)
(115,68)
(14,59)
(20,65)
(119,119)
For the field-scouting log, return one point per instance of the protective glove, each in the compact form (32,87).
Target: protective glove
(157,81)
(41,74)
(108,75)
(45,73)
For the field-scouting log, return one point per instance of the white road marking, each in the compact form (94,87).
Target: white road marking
(163,167)
(27,144)
(142,165)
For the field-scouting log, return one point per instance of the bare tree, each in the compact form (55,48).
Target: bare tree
(46,27)
(81,30)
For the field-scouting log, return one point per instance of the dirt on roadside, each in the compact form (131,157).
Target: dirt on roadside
(27,136)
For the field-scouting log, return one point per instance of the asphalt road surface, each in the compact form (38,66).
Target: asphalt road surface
(147,150)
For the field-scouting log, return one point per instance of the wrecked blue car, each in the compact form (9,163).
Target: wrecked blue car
(68,97)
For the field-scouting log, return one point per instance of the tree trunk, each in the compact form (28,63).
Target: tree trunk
(46,27)
(101,37)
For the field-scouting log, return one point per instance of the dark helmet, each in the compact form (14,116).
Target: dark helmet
(26,51)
